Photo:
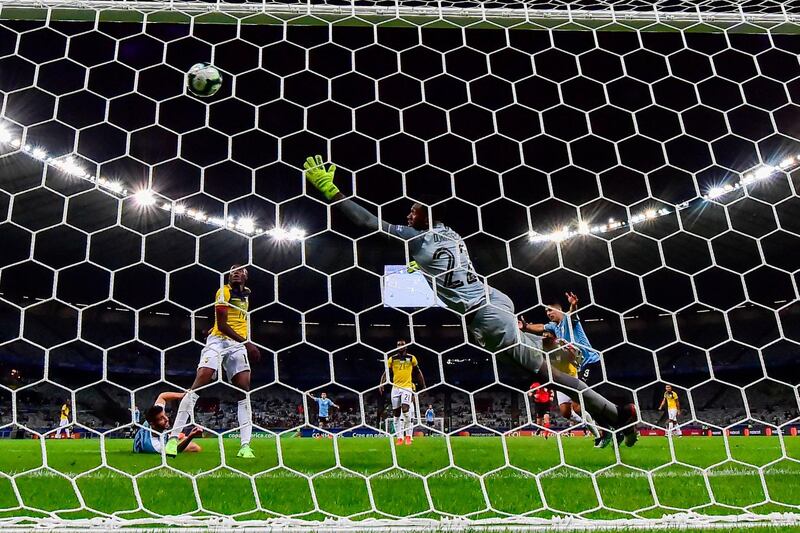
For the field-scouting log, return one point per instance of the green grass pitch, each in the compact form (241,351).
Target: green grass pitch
(401,492)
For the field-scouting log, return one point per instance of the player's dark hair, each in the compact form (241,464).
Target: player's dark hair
(152,412)
(554,303)
(438,212)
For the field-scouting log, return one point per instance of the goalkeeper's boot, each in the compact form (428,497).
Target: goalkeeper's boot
(627,424)
(408,440)
(171,448)
(604,440)
(246,452)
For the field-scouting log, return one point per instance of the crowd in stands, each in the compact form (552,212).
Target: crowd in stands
(499,409)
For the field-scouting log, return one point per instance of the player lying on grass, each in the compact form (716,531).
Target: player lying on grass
(440,253)
(226,348)
(402,369)
(150,437)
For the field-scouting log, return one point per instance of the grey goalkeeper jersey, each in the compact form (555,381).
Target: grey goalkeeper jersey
(440,253)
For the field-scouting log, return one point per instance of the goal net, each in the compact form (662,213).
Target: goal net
(626,172)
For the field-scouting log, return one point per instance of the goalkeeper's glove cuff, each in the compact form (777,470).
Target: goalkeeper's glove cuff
(329,190)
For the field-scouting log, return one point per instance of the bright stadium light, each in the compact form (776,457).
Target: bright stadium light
(39,153)
(144,198)
(246,225)
(5,134)
(282,234)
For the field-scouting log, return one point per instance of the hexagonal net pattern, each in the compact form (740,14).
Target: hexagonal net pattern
(646,178)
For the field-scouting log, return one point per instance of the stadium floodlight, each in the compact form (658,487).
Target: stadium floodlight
(144,198)
(39,153)
(5,134)
(246,225)
(282,234)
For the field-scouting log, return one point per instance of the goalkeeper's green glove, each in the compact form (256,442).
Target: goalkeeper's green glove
(319,177)
(412,267)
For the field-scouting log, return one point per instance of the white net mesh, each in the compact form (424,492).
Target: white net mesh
(652,172)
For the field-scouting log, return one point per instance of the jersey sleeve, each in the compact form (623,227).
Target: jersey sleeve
(404,232)
(222,298)
(413,360)
(552,327)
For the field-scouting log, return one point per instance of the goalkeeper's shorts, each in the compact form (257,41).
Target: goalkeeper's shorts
(494,327)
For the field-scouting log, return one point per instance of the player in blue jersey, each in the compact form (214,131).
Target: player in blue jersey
(430,416)
(151,436)
(441,254)
(571,331)
(567,328)
(323,404)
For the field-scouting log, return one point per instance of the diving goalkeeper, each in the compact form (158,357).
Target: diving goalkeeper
(440,253)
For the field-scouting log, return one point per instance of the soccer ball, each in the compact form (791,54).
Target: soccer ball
(203,79)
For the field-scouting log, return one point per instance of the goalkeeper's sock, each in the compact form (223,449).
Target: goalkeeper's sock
(185,411)
(245,421)
(398,427)
(409,427)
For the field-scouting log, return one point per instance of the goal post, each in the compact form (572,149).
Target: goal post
(626,172)
(733,16)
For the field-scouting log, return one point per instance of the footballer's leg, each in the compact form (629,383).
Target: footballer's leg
(407,424)
(494,326)
(210,359)
(185,412)
(236,365)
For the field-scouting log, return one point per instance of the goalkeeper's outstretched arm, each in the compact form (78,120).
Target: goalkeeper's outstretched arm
(322,179)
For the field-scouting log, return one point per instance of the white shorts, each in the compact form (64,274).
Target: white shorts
(562,398)
(64,422)
(400,397)
(672,414)
(222,353)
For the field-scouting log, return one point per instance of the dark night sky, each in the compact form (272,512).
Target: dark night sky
(517,130)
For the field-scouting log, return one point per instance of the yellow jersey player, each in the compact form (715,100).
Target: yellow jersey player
(402,370)
(63,419)
(673,404)
(568,360)
(228,349)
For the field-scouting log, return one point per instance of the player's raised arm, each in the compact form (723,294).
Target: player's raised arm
(538,329)
(165,397)
(572,298)
(322,179)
